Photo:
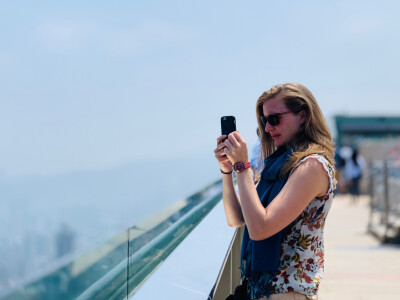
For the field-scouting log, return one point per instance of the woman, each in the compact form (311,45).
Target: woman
(282,254)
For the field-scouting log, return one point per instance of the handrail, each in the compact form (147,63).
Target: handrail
(116,269)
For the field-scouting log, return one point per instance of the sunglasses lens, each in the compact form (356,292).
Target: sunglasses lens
(273,120)
(263,121)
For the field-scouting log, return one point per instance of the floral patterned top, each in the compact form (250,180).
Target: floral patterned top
(302,251)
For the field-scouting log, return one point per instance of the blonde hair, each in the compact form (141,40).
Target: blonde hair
(313,136)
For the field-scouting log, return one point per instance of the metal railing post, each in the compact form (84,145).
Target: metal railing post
(386,199)
(371,194)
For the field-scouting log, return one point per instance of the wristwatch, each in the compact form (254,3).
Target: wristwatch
(240,167)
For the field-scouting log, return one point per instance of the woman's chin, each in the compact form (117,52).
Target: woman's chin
(277,142)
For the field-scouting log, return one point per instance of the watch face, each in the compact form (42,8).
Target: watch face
(238,167)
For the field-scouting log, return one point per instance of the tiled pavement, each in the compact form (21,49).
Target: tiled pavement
(357,266)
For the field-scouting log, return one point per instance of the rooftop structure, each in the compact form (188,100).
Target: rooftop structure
(351,130)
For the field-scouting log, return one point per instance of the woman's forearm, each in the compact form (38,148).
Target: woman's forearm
(252,210)
(231,202)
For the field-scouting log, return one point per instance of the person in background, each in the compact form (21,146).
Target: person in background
(282,253)
(354,168)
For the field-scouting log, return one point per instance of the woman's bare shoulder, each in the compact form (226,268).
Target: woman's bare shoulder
(311,171)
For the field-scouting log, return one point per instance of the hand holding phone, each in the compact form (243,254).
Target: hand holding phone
(236,148)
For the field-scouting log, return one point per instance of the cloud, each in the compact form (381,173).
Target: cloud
(128,40)
(64,33)
(146,36)
(365,25)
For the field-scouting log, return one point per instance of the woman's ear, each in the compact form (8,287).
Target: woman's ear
(303,116)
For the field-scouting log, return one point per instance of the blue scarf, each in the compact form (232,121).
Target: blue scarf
(260,259)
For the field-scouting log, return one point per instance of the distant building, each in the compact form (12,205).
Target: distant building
(351,130)
(65,240)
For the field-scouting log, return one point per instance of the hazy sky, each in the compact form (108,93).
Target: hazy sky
(88,85)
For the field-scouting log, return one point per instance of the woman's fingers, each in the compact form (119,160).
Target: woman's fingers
(233,140)
(228,144)
(220,146)
(221,138)
(220,155)
(237,137)
(219,151)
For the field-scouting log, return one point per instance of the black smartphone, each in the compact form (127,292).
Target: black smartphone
(228,124)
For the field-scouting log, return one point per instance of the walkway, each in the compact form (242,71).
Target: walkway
(357,266)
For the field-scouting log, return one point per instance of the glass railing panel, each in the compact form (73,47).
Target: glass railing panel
(191,270)
(152,242)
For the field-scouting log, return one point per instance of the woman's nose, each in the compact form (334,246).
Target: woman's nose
(268,127)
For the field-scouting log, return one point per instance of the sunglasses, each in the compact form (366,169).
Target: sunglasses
(273,119)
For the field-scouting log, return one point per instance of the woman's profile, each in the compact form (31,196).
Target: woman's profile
(282,253)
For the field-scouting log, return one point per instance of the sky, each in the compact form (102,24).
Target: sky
(93,85)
